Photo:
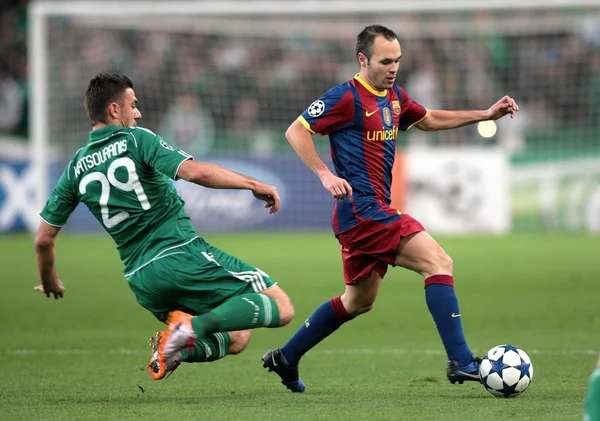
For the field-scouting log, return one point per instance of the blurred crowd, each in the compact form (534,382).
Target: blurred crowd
(211,92)
(13,69)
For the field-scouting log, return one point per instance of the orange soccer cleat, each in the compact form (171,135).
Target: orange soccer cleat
(166,346)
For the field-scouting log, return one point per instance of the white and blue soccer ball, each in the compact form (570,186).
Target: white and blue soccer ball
(506,371)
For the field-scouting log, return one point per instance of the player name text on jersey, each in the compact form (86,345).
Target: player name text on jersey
(100,157)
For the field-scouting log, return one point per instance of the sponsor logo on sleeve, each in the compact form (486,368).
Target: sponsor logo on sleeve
(316,108)
(166,145)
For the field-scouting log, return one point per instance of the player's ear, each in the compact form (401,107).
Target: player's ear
(113,110)
(362,60)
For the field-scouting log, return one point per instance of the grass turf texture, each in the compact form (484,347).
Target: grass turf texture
(84,357)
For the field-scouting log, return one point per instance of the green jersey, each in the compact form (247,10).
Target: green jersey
(592,400)
(123,175)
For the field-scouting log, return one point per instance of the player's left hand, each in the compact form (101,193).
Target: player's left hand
(504,106)
(57,290)
(338,187)
(268,194)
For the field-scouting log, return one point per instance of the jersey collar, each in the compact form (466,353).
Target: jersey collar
(368,87)
(103,132)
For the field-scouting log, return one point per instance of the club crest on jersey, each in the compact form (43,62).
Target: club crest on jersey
(387,116)
(316,108)
(396,107)
(166,145)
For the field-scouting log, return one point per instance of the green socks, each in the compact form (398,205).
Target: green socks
(212,348)
(246,311)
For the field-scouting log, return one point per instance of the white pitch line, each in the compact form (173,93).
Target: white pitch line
(389,351)
(340,351)
(59,352)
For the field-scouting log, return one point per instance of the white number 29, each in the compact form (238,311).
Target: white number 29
(132,184)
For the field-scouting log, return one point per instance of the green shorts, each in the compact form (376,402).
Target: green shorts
(194,278)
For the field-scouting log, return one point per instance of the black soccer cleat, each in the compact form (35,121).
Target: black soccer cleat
(469,372)
(275,361)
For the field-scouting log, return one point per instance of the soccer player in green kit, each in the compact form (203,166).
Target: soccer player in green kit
(209,299)
(592,399)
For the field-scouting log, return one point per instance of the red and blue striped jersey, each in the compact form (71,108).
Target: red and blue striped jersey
(362,124)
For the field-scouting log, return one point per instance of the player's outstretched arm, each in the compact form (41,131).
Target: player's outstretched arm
(302,142)
(216,177)
(45,256)
(443,119)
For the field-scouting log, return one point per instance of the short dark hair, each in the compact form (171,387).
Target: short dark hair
(366,39)
(102,90)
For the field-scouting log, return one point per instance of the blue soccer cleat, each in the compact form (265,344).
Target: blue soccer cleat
(469,372)
(275,361)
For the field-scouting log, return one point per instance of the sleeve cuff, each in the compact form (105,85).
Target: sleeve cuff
(51,223)
(418,121)
(305,124)
(177,169)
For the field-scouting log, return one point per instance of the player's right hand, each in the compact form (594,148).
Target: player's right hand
(338,187)
(57,289)
(269,194)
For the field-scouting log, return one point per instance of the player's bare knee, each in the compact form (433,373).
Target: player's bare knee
(239,341)
(361,309)
(437,263)
(356,308)
(283,302)
(286,311)
(446,263)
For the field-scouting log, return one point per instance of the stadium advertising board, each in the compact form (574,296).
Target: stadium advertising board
(16,196)
(450,191)
(458,191)
(305,203)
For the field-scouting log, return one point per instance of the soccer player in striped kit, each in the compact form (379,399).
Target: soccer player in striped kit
(362,118)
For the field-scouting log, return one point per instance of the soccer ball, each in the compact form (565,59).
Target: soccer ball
(506,371)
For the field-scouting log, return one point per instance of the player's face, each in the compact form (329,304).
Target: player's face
(382,68)
(128,109)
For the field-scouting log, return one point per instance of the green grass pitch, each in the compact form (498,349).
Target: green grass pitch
(84,357)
